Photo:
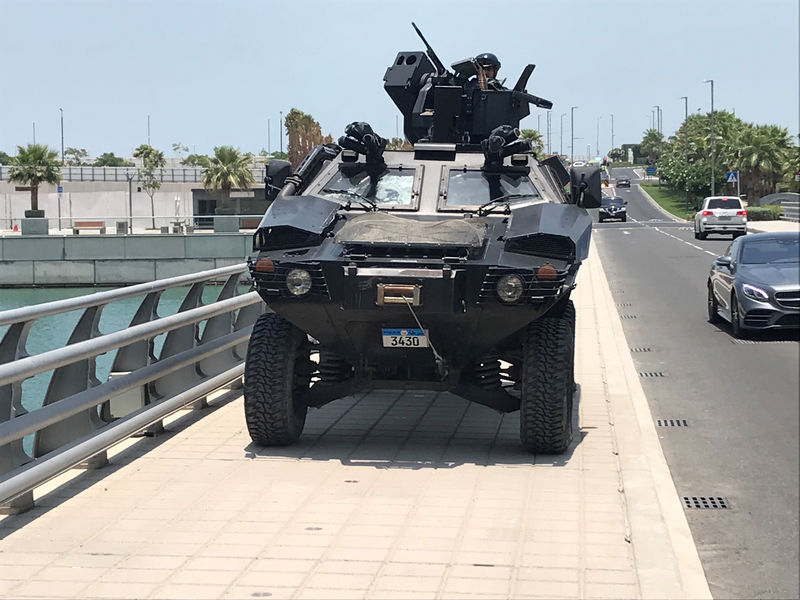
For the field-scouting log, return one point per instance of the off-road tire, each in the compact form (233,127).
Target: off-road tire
(273,378)
(712,305)
(545,416)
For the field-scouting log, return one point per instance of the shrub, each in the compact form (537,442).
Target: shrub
(763,213)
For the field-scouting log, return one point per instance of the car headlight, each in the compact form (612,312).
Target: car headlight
(298,282)
(510,288)
(754,292)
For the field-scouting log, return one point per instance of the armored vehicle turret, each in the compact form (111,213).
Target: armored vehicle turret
(448,267)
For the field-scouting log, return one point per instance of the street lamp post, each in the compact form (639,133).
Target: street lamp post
(62,135)
(561,134)
(148,130)
(686,145)
(129,176)
(280,131)
(597,139)
(549,136)
(269,138)
(572,133)
(612,131)
(658,118)
(711,81)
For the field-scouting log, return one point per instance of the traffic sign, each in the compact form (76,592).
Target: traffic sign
(60,189)
(650,170)
(732,177)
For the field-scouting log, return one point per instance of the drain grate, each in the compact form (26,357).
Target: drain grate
(705,502)
(624,304)
(735,341)
(628,317)
(672,423)
(651,374)
(641,349)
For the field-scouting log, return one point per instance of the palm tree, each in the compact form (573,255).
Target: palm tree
(35,164)
(535,138)
(227,169)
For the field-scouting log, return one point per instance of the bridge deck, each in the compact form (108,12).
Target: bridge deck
(388,495)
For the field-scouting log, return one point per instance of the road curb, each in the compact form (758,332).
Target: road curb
(666,559)
(658,207)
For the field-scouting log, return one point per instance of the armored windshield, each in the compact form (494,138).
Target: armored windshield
(393,188)
(475,188)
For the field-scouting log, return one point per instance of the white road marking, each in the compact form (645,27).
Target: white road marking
(626,232)
(675,237)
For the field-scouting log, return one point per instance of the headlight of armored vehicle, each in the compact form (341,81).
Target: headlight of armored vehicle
(298,282)
(510,288)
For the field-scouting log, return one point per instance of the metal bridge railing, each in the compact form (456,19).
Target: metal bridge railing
(121,174)
(79,417)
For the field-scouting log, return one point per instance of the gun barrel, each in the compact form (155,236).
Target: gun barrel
(431,54)
(540,102)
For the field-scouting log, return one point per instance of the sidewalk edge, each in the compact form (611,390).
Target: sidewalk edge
(663,546)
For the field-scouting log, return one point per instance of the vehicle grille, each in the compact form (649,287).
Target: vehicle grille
(789,321)
(361,251)
(536,291)
(758,318)
(788,299)
(274,283)
(543,244)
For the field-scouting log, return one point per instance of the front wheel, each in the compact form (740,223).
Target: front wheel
(736,318)
(545,419)
(712,305)
(277,372)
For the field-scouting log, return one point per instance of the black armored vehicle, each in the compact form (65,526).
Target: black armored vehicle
(447,267)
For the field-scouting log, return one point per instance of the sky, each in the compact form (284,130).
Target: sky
(210,73)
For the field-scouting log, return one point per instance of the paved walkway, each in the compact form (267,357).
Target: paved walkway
(390,495)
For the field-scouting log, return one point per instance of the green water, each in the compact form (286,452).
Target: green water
(53,332)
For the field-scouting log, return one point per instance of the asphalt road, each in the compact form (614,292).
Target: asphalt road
(740,400)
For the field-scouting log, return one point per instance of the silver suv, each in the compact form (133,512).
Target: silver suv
(720,214)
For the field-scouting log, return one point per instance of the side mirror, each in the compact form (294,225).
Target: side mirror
(723,261)
(625,202)
(277,172)
(585,186)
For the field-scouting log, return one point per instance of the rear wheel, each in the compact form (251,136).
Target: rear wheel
(277,372)
(624,218)
(545,419)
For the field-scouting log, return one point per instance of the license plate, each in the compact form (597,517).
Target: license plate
(404,338)
(724,218)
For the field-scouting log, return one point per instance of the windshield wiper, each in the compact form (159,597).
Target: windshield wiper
(492,204)
(365,202)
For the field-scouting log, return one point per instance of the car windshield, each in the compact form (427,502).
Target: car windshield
(724,203)
(476,188)
(608,201)
(391,188)
(772,250)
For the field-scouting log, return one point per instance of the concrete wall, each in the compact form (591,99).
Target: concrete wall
(115,260)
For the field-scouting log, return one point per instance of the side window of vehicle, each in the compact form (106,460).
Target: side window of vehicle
(733,251)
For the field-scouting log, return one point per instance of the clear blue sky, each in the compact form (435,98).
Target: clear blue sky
(212,72)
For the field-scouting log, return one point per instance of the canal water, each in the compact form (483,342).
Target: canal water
(53,332)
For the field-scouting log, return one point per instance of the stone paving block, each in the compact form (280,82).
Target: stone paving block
(124,576)
(611,591)
(115,590)
(172,591)
(349,567)
(210,577)
(330,594)
(46,589)
(544,588)
(270,579)
(84,574)
(409,583)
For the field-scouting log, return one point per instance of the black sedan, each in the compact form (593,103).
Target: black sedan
(612,207)
(756,285)
(623,181)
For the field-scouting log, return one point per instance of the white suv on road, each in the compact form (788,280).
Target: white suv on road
(720,214)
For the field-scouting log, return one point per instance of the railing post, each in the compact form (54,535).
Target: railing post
(20,504)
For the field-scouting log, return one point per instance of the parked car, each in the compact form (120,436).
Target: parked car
(756,285)
(623,181)
(612,207)
(720,214)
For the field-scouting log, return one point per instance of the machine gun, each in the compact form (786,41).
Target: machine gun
(443,106)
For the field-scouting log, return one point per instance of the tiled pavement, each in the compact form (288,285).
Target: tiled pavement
(388,495)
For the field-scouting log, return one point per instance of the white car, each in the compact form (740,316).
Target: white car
(720,214)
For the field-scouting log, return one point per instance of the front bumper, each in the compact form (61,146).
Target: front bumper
(780,312)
